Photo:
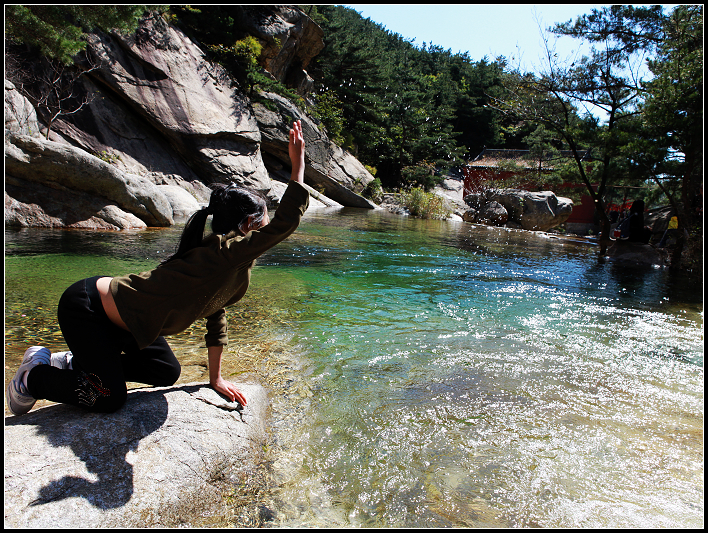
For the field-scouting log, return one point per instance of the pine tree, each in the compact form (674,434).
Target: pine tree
(57,30)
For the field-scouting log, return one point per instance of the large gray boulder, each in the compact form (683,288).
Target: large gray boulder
(538,211)
(329,169)
(63,167)
(113,129)
(168,457)
(29,205)
(544,210)
(493,214)
(635,254)
(54,184)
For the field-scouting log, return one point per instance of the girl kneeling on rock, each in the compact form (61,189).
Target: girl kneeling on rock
(115,327)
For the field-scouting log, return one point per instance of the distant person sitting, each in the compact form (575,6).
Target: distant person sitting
(632,228)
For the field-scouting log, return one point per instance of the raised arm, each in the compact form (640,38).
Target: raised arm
(296,149)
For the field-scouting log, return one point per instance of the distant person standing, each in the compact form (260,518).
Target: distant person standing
(671,231)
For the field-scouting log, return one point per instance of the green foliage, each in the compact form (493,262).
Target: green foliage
(247,50)
(57,31)
(422,174)
(672,134)
(374,191)
(109,158)
(401,105)
(629,28)
(424,204)
(217,28)
(651,129)
(328,109)
(241,60)
(668,143)
(559,98)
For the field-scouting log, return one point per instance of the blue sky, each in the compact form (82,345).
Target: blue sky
(482,30)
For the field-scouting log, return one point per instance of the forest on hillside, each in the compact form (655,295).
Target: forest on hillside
(399,107)
(405,110)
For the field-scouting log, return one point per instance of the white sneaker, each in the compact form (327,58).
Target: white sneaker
(18,399)
(62,360)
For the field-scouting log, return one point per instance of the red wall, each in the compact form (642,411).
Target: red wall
(583,213)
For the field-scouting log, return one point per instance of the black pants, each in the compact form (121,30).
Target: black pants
(105,356)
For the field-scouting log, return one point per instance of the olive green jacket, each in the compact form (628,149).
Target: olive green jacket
(170,298)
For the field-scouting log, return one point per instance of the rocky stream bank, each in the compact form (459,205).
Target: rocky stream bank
(169,457)
(161,124)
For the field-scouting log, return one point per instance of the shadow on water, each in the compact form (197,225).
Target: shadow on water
(653,286)
(151,244)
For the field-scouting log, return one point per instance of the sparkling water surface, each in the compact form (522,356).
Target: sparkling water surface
(430,373)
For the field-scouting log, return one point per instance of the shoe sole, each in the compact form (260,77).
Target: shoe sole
(20,407)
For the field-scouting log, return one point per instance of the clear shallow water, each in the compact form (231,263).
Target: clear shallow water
(428,373)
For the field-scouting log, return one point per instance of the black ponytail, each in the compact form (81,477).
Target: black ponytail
(230,206)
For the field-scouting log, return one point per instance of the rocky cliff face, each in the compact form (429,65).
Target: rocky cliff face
(162,124)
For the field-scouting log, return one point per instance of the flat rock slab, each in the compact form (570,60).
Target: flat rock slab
(635,253)
(165,458)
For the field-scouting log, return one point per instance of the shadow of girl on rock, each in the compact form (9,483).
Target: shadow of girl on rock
(101,441)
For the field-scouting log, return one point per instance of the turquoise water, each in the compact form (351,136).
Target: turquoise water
(429,373)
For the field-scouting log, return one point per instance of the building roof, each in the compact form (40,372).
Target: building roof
(506,159)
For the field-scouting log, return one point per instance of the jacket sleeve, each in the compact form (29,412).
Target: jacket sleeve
(245,250)
(217,329)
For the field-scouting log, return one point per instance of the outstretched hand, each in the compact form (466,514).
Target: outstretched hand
(219,384)
(296,150)
(229,390)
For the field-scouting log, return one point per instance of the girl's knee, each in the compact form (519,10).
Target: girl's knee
(165,375)
(171,375)
(177,371)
